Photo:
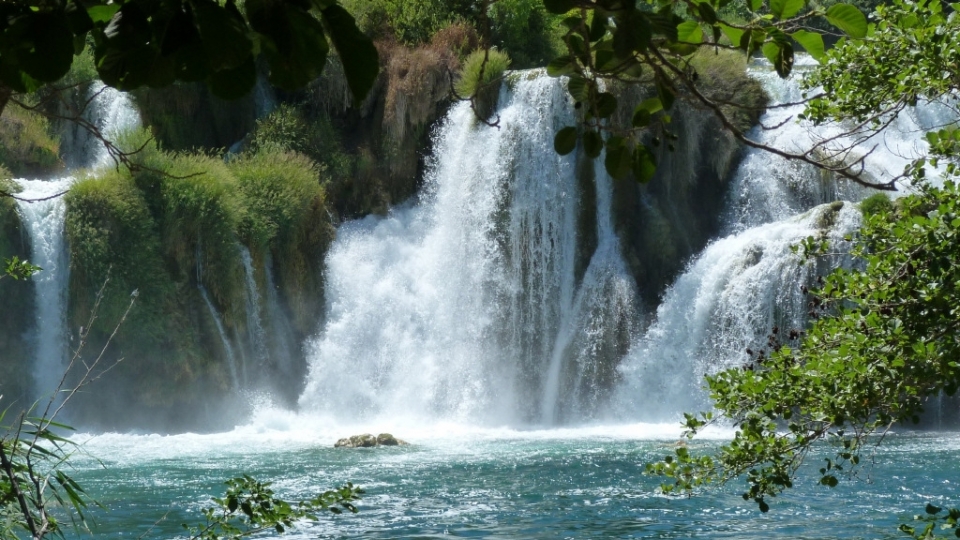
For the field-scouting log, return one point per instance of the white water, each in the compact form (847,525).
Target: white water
(467,306)
(44,222)
(113,113)
(728,300)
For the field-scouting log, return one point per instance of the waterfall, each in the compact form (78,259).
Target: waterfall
(284,340)
(728,300)
(742,286)
(227,348)
(114,113)
(468,305)
(255,332)
(44,222)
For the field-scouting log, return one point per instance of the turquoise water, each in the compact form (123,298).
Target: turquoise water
(456,482)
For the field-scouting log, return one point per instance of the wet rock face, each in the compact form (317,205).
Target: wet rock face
(367,440)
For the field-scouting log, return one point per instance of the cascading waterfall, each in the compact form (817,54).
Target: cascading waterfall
(112,112)
(468,306)
(741,287)
(729,299)
(44,221)
(255,332)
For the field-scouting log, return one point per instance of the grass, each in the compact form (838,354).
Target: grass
(27,147)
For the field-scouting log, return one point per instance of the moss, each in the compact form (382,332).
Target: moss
(27,147)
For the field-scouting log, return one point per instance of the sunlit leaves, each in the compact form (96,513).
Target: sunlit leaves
(784,9)
(811,41)
(849,19)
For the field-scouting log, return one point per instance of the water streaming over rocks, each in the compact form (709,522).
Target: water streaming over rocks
(469,305)
(43,221)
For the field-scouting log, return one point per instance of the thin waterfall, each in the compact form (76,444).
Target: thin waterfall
(284,340)
(227,348)
(255,332)
(457,307)
(44,222)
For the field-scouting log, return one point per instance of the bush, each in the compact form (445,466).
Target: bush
(524,30)
(878,203)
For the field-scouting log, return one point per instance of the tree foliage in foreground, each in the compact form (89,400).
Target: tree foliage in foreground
(884,340)
(157,42)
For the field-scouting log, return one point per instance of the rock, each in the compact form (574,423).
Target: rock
(367,440)
(386,439)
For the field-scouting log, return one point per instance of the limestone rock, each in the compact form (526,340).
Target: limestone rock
(367,440)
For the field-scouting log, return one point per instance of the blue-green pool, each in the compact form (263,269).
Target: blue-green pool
(459,482)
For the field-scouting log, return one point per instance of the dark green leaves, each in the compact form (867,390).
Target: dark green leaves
(780,54)
(357,53)
(559,7)
(849,19)
(293,42)
(592,144)
(644,164)
(565,140)
(618,160)
(224,35)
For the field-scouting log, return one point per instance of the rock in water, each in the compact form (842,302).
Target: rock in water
(367,440)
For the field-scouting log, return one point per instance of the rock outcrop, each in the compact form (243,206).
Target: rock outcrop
(367,440)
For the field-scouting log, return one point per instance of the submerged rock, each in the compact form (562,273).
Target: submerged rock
(367,440)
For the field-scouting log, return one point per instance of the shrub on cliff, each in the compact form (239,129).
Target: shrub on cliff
(27,147)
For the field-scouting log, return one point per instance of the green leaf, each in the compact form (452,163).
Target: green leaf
(606,104)
(293,43)
(234,83)
(618,160)
(559,7)
(811,41)
(690,32)
(592,144)
(707,13)
(644,166)
(666,92)
(755,5)
(733,34)
(565,141)
(579,88)
(561,66)
(849,19)
(361,62)
(784,9)
(224,35)
(781,56)
(102,13)
(52,53)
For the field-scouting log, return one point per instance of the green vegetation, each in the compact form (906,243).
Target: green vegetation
(27,147)
(480,78)
(175,223)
